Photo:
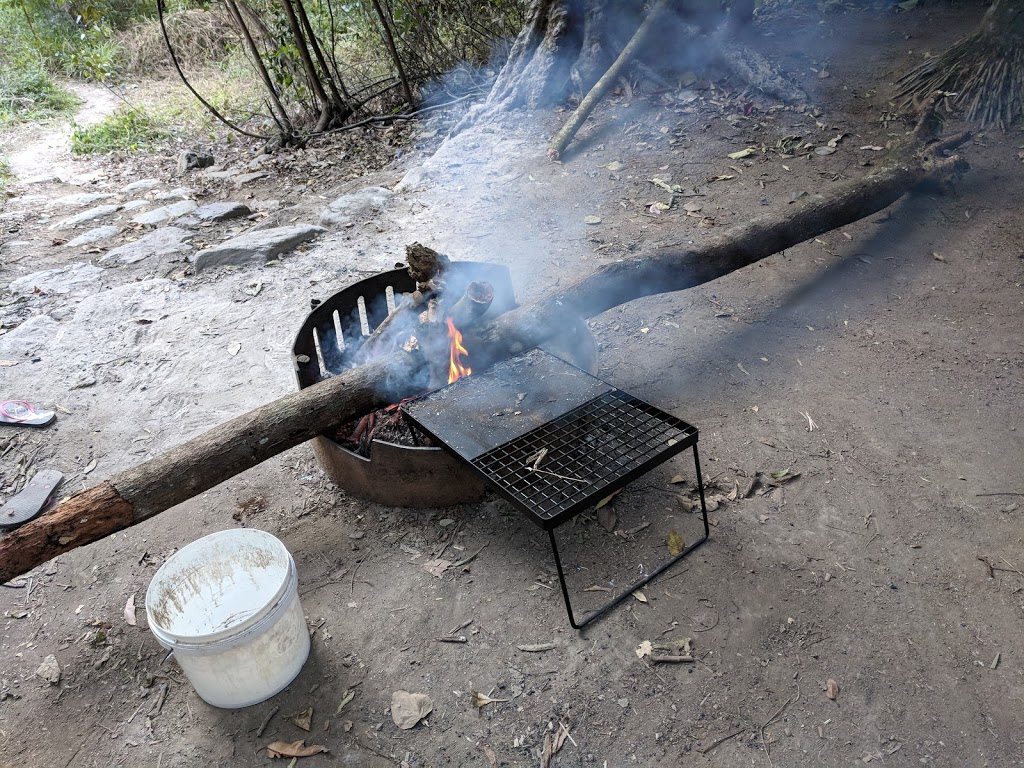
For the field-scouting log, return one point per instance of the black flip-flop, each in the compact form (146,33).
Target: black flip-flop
(21,413)
(31,501)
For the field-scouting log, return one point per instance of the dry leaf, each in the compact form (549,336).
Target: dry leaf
(644,649)
(592,219)
(349,695)
(553,743)
(492,759)
(482,700)
(832,689)
(676,543)
(676,479)
(49,670)
(938,256)
(686,504)
(614,165)
(742,153)
(407,709)
(607,519)
(129,612)
(597,588)
(8,363)
(294,749)
(89,467)
(234,349)
(607,499)
(303,719)
(640,596)
(693,206)
(437,567)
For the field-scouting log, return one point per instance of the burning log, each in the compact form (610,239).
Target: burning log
(473,303)
(137,494)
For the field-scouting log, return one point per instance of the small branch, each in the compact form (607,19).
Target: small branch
(720,741)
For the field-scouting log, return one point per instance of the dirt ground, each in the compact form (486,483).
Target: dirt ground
(886,566)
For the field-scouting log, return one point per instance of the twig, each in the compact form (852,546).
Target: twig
(1005,493)
(560,477)
(463,625)
(159,703)
(722,740)
(672,659)
(354,571)
(450,639)
(469,558)
(770,720)
(1011,565)
(266,721)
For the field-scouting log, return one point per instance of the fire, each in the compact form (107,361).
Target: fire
(456,370)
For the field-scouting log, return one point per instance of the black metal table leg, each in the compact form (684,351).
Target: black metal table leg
(643,582)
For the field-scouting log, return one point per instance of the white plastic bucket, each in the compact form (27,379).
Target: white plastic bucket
(228,606)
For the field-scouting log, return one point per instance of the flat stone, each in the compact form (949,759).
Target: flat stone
(165,213)
(348,207)
(258,246)
(229,174)
(99,212)
(142,185)
(134,205)
(246,178)
(82,198)
(166,241)
(178,193)
(94,236)
(222,211)
(68,279)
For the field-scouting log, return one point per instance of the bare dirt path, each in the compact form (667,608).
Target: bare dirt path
(883,363)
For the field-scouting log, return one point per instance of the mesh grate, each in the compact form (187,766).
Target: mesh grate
(589,452)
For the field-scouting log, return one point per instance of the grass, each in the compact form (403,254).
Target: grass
(126,130)
(6,177)
(27,93)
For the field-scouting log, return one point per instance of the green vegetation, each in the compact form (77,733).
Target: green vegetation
(126,130)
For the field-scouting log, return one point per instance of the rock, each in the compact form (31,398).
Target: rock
(407,709)
(246,178)
(258,246)
(221,174)
(134,205)
(49,670)
(99,212)
(222,211)
(166,241)
(189,159)
(68,279)
(347,207)
(259,161)
(94,236)
(142,185)
(82,198)
(165,213)
(178,193)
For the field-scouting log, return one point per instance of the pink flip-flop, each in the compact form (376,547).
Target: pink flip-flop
(23,413)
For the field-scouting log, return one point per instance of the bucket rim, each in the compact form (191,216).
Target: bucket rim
(233,632)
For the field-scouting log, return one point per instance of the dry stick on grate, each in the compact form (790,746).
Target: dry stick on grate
(136,494)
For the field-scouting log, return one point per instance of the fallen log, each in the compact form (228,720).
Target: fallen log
(139,493)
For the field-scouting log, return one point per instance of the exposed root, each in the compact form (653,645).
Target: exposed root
(984,81)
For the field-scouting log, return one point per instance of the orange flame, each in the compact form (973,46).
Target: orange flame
(456,370)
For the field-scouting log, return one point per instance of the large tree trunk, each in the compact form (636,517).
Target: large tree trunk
(981,75)
(160,483)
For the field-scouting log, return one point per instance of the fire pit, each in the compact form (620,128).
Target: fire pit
(327,344)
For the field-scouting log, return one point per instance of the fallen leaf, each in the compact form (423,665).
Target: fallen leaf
(8,363)
(129,612)
(537,647)
(938,256)
(407,709)
(824,73)
(640,596)
(825,150)
(693,206)
(835,141)
(676,543)
(832,689)
(89,467)
(742,153)
(614,165)
(607,519)
(482,700)
(294,749)
(592,219)
(492,759)
(723,177)
(437,567)
(778,474)
(49,670)
(676,479)
(873,148)
(644,649)
(553,743)
(685,503)
(607,499)
(234,349)
(303,719)
(349,695)
(594,588)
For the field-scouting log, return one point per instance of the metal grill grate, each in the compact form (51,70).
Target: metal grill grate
(591,451)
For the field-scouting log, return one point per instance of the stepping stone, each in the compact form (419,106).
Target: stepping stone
(258,246)
(142,185)
(99,212)
(93,236)
(221,174)
(166,241)
(348,207)
(82,198)
(222,211)
(246,178)
(68,279)
(178,193)
(165,213)
(134,205)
